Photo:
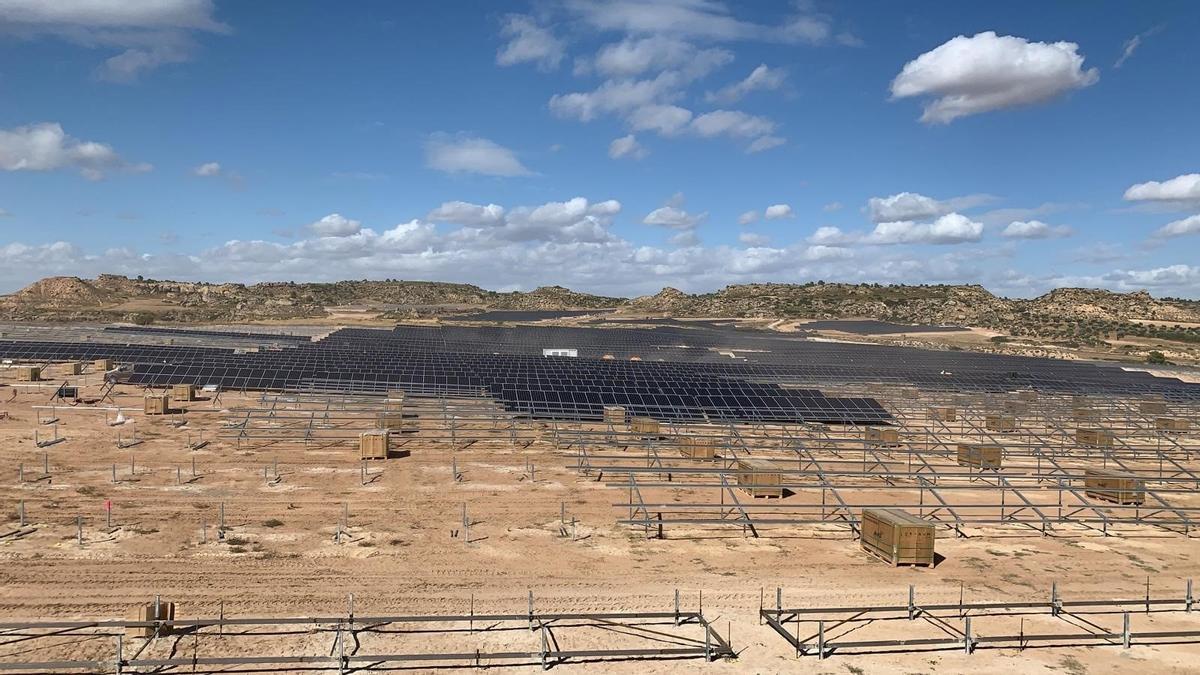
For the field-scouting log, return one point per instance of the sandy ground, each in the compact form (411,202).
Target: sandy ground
(280,558)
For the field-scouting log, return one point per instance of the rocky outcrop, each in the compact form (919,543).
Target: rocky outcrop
(117,298)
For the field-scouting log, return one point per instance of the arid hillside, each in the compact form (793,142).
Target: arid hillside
(117,298)
(1065,317)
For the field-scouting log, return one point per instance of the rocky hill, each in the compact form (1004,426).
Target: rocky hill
(1105,305)
(117,298)
(1066,313)
(969,305)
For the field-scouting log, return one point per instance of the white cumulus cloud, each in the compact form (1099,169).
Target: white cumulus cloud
(1181,190)
(619,97)
(1179,228)
(916,206)
(46,147)
(573,221)
(627,146)
(903,206)
(674,216)
(529,42)
(148,34)
(829,235)
(748,217)
(1034,229)
(469,154)
(778,212)
(335,225)
(952,228)
(971,75)
(666,120)
(466,213)
(208,169)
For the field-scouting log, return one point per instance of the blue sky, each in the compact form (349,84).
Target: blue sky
(614,147)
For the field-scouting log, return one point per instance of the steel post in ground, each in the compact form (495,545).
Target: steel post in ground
(545,663)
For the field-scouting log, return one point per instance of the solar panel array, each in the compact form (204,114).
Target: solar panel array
(525,315)
(776,377)
(872,327)
(194,332)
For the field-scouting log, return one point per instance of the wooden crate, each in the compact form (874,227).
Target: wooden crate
(698,447)
(374,444)
(898,537)
(647,426)
(1153,407)
(1114,486)
(1081,414)
(1094,438)
(1016,408)
(910,393)
(29,373)
(980,456)
(1001,423)
(1027,395)
(883,436)
(1172,424)
(183,392)
(963,401)
(103,365)
(944,414)
(759,478)
(614,414)
(165,613)
(392,420)
(73,368)
(395,399)
(157,404)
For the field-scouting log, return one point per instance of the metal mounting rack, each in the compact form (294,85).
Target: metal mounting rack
(365,641)
(1055,622)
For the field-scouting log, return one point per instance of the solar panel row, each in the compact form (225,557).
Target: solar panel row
(778,380)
